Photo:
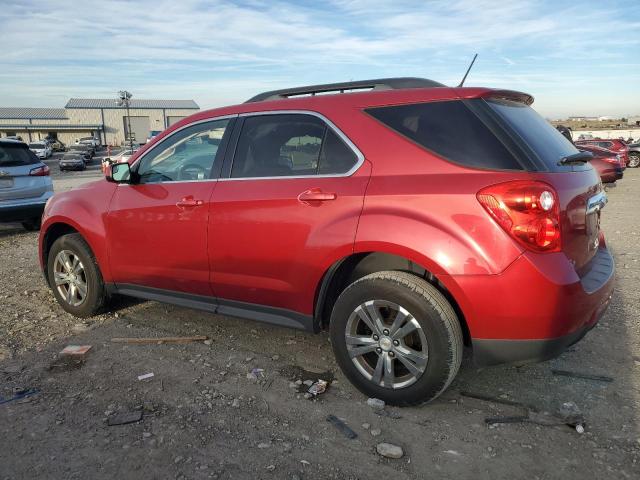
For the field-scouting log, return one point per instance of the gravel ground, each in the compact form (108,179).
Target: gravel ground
(204,417)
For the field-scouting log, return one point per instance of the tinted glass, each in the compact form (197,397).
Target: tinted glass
(548,144)
(278,146)
(451,130)
(185,156)
(336,156)
(16,155)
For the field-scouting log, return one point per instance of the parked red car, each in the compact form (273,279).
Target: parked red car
(615,145)
(607,163)
(406,217)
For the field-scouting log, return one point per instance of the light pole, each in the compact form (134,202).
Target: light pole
(124,99)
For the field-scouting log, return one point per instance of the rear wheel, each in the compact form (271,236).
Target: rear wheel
(75,277)
(31,224)
(396,338)
(634,160)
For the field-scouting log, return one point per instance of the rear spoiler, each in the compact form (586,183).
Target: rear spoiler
(512,95)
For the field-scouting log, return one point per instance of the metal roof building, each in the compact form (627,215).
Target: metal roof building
(100,117)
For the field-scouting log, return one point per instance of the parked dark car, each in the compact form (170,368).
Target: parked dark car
(72,161)
(634,155)
(409,219)
(85,150)
(607,163)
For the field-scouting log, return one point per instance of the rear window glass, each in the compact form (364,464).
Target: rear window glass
(15,156)
(547,143)
(451,130)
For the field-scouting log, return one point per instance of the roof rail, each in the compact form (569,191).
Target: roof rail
(398,83)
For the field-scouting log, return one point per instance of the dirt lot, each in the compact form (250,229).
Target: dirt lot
(204,418)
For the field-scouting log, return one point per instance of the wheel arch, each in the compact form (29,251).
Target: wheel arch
(347,270)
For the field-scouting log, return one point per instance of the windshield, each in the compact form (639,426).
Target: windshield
(548,144)
(36,145)
(16,155)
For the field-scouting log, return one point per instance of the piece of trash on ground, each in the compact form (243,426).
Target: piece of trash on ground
(125,418)
(342,427)
(255,374)
(584,376)
(20,394)
(160,340)
(75,350)
(375,403)
(318,388)
(145,376)
(65,363)
(569,415)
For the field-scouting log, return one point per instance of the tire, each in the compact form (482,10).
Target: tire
(634,160)
(95,296)
(32,224)
(438,325)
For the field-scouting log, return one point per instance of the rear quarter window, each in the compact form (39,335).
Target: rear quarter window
(16,156)
(451,130)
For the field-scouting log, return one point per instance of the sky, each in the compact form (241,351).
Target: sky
(575,57)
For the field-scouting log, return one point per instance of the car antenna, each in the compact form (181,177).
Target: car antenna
(468,70)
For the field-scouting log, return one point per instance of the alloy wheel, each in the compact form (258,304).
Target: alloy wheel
(70,277)
(386,344)
(634,161)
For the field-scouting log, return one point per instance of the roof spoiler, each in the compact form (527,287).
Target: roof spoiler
(512,95)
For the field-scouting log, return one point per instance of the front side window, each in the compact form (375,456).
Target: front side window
(288,145)
(188,155)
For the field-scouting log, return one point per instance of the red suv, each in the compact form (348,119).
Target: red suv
(614,144)
(608,164)
(406,217)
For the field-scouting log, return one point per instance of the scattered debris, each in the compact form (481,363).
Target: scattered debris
(388,413)
(366,426)
(585,376)
(235,403)
(375,432)
(75,350)
(271,468)
(569,415)
(452,452)
(125,418)
(255,374)
(389,450)
(64,363)
(318,387)
(19,394)
(503,401)
(145,376)
(342,427)
(376,403)
(160,340)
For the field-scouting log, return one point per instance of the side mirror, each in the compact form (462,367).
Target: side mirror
(119,173)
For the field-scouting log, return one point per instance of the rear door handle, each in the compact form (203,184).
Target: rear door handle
(189,202)
(316,195)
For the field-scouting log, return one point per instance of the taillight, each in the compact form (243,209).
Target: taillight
(527,210)
(39,172)
(614,160)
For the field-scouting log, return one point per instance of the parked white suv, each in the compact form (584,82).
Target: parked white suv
(42,149)
(94,142)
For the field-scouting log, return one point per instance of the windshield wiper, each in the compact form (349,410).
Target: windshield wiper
(580,157)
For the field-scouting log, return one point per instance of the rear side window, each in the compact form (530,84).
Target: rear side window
(16,155)
(289,145)
(451,130)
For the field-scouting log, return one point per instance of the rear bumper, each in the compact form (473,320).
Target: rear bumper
(23,209)
(536,307)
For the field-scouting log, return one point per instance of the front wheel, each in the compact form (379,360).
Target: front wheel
(74,276)
(396,338)
(634,160)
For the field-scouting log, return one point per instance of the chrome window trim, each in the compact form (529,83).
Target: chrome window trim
(329,124)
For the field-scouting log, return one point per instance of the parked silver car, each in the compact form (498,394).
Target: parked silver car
(42,149)
(25,184)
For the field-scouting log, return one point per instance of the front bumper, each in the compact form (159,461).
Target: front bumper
(536,308)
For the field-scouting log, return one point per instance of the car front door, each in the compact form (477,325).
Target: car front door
(287,203)
(157,224)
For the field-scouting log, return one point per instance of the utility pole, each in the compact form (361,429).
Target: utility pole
(124,99)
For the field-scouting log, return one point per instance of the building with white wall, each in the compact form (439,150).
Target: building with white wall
(102,118)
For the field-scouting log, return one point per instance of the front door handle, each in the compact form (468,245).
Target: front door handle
(188,202)
(316,195)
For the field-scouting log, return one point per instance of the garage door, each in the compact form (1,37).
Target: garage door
(139,128)
(171,120)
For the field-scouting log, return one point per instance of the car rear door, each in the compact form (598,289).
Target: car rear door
(16,179)
(157,225)
(288,202)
